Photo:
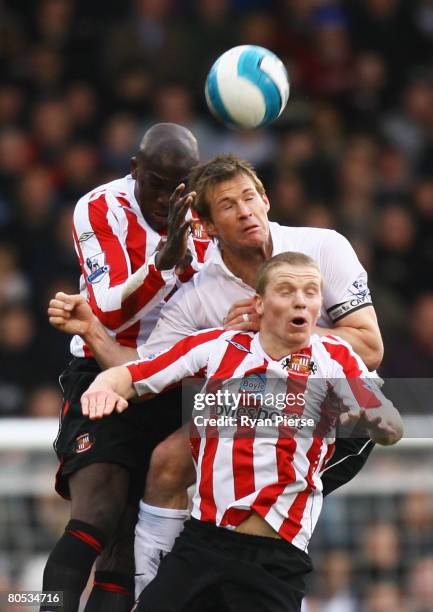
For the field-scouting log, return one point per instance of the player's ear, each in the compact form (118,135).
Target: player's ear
(134,165)
(258,304)
(210,228)
(266,201)
(318,310)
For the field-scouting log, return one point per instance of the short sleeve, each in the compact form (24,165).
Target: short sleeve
(345,280)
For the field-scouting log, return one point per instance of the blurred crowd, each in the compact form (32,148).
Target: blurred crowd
(374,550)
(370,553)
(81,81)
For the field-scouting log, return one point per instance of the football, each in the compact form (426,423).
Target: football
(247,87)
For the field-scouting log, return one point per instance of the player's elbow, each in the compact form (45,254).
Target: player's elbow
(399,431)
(108,307)
(110,314)
(374,355)
(372,350)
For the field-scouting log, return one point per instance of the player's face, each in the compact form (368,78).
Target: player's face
(153,188)
(291,304)
(239,214)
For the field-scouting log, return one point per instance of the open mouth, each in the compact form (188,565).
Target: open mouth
(299,321)
(251,228)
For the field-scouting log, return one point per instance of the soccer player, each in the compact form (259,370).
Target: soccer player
(259,491)
(131,237)
(233,206)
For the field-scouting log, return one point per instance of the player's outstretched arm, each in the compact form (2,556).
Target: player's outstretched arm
(384,424)
(110,389)
(73,315)
(109,392)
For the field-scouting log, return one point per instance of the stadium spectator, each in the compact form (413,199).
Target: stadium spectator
(118,140)
(394,256)
(16,154)
(416,533)
(381,558)
(335,582)
(20,355)
(174,103)
(83,106)
(45,402)
(13,284)
(383,596)
(51,128)
(199,35)
(417,343)
(11,103)
(78,169)
(420,585)
(288,199)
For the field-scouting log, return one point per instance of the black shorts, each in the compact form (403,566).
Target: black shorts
(127,439)
(212,569)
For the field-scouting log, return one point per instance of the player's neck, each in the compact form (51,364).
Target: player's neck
(244,263)
(277,348)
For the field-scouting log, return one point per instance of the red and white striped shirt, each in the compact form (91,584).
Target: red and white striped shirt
(116,250)
(274,471)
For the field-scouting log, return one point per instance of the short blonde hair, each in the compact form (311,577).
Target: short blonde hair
(219,169)
(292,258)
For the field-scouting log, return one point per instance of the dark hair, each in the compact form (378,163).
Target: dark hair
(217,170)
(288,257)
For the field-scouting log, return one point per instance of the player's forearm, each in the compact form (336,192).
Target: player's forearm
(116,379)
(134,298)
(151,280)
(107,351)
(365,341)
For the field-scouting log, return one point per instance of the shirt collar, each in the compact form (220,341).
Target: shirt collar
(217,259)
(257,346)
(277,238)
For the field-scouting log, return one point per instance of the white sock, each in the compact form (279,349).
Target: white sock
(155,533)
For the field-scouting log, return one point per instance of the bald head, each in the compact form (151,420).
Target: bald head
(166,155)
(169,146)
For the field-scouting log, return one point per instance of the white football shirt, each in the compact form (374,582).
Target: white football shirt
(204,301)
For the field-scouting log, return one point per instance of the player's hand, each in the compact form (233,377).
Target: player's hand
(97,403)
(70,314)
(243,316)
(175,247)
(184,263)
(374,421)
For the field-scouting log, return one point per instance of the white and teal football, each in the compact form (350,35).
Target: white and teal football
(247,87)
